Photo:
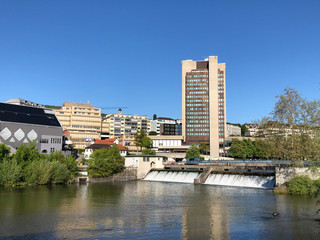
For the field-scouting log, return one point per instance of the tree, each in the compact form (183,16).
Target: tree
(237,149)
(244,129)
(193,152)
(153,133)
(4,152)
(142,140)
(10,172)
(292,129)
(154,116)
(105,162)
(204,148)
(148,151)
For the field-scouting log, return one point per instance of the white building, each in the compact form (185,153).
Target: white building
(233,130)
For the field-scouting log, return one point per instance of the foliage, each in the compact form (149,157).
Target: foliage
(4,152)
(303,185)
(26,154)
(237,149)
(148,151)
(10,172)
(105,162)
(244,129)
(193,152)
(204,148)
(142,140)
(60,173)
(154,116)
(39,172)
(153,133)
(292,130)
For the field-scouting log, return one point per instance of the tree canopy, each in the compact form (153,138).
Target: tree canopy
(142,140)
(105,162)
(193,152)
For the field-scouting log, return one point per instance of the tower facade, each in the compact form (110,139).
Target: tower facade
(203,103)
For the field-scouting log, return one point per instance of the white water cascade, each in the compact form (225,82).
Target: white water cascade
(252,181)
(171,176)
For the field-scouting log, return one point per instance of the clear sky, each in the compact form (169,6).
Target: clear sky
(128,53)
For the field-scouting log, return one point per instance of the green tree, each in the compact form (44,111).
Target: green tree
(292,130)
(105,162)
(204,148)
(4,152)
(10,172)
(261,149)
(154,116)
(142,140)
(148,151)
(244,129)
(39,171)
(193,152)
(60,173)
(249,148)
(26,154)
(237,149)
(153,133)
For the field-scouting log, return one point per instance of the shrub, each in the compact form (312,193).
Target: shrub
(10,172)
(148,151)
(302,185)
(60,173)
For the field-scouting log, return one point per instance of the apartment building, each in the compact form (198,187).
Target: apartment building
(125,124)
(203,103)
(82,121)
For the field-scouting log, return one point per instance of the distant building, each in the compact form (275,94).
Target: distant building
(82,121)
(21,124)
(252,129)
(166,126)
(204,103)
(233,130)
(124,124)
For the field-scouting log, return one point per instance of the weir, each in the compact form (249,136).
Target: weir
(253,178)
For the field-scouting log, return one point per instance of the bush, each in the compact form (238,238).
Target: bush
(105,162)
(60,173)
(303,185)
(39,172)
(148,151)
(10,172)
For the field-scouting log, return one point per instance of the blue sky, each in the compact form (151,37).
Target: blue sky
(129,53)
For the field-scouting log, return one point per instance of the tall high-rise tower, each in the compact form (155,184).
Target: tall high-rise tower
(203,103)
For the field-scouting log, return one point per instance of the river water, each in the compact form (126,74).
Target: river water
(154,210)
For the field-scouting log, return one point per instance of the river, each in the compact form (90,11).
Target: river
(154,210)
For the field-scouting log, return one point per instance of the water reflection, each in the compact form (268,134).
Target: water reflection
(154,210)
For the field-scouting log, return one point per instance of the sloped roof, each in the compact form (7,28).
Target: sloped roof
(26,114)
(109,141)
(96,146)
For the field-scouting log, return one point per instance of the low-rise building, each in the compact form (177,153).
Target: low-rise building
(144,163)
(166,126)
(22,124)
(99,144)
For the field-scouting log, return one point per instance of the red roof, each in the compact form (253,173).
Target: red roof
(99,146)
(109,141)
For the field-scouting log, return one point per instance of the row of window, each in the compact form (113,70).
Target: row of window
(197,88)
(197,117)
(197,104)
(220,108)
(198,134)
(197,84)
(197,75)
(197,109)
(220,74)
(221,104)
(197,96)
(220,87)
(88,127)
(197,92)
(198,130)
(198,100)
(202,71)
(197,121)
(197,125)
(197,113)
(220,91)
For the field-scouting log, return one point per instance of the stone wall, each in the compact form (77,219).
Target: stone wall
(284,174)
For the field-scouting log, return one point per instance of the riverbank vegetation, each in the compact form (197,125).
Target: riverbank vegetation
(291,132)
(27,166)
(105,162)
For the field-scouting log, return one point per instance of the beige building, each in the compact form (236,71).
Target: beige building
(124,124)
(203,103)
(82,120)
